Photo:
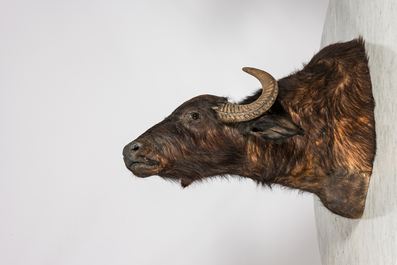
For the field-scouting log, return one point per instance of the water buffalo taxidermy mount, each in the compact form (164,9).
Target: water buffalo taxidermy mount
(313,130)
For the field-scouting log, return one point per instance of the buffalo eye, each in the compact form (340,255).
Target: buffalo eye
(194,116)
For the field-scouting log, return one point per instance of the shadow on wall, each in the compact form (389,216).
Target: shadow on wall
(383,60)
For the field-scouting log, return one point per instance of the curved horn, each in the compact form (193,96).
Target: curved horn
(229,112)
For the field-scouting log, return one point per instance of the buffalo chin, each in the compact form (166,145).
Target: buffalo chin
(186,182)
(143,170)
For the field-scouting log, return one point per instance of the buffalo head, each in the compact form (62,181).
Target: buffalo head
(208,136)
(313,130)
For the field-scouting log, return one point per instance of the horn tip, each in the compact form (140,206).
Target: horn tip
(251,70)
(247,69)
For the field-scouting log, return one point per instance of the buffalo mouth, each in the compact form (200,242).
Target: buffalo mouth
(142,167)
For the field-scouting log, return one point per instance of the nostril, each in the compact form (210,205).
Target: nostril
(135,146)
(131,148)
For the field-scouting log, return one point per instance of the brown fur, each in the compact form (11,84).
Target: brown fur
(319,136)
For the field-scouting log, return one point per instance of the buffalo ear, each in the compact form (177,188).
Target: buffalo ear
(275,128)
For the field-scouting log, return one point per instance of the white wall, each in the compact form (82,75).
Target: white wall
(80,79)
(373,238)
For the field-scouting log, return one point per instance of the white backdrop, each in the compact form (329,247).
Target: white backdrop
(80,79)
